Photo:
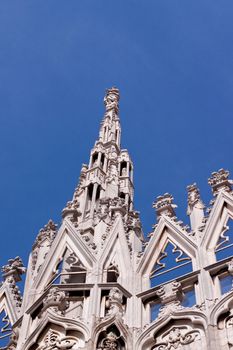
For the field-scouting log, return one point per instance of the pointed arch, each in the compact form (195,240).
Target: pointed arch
(116,253)
(115,325)
(224,305)
(167,231)
(221,317)
(5,328)
(217,234)
(172,262)
(7,304)
(61,327)
(112,273)
(175,330)
(67,239)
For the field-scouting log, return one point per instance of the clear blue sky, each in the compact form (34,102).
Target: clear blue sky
(173,63)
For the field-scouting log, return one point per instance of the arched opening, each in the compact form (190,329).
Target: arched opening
(105,133)
(98,193)
(94,159)
(171,263)
(111,339)
(112,273)
(102,160)
(75,271)
(89,198)
(122,195)
(123,168)
(90,191)
(6,329)
(130,171)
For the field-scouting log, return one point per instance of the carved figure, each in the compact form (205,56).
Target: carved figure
(56,298)
(114,302)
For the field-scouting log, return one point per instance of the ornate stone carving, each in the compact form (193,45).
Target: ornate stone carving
(170,295)
(133,221)
(14,268)
(176,338)
(229,328)
(48,231)
(57,299)
(13,339)
(109,342)
(11,274)
(71,210)
(230,266)
(114,302)
(170,292)
(55,341)
(164,205)
(117,206)
(219,181)
(15,292)
(102,212)
(112,176)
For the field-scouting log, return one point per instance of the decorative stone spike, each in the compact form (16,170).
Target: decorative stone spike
(164,205)
(48,231)
(220,181)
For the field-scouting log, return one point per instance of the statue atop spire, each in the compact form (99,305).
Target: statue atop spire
(111,99)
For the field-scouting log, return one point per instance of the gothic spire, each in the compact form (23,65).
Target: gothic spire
(106,183)
(110,129)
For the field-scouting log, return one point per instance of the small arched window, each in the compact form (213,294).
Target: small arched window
(110,339)
(123,169)
(112,273)
(102,160)
(171,263)
(94,159)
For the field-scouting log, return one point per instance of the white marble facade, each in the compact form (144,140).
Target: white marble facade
(95,283)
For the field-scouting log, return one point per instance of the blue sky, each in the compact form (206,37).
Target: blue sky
(171,60)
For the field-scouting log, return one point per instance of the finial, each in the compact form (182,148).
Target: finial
(111,99)
(48,231)
(14,268)
(220,181)
(164,205)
